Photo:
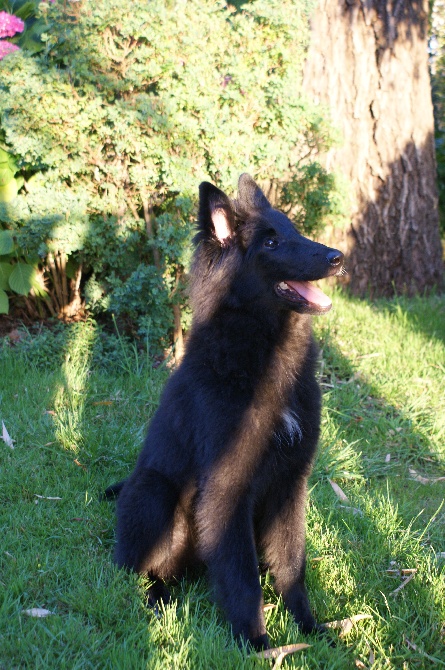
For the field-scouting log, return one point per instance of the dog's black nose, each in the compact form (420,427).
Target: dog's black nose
(335,258)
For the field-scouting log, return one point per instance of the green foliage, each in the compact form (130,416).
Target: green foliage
(9,185)
(16,274)
(313,196)
(123,113)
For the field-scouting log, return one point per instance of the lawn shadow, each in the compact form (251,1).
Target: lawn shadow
(370,447)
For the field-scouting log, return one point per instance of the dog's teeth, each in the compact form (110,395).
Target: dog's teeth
(283,286)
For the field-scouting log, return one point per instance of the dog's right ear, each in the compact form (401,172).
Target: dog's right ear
(216,217)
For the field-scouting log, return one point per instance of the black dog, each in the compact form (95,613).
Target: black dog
(225,463)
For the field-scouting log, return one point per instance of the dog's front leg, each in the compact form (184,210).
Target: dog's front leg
(227,546)
(282,537)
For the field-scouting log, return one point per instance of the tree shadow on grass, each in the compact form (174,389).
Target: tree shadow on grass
(384,524)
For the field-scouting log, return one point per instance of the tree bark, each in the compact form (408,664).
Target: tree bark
(368,64)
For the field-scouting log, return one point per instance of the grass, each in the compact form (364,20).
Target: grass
(78,427)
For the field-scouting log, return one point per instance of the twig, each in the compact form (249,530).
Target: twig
(403,584)
(276,652)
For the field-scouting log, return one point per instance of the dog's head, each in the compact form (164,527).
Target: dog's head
(274,262)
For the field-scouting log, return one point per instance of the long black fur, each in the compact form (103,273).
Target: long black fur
(224,467)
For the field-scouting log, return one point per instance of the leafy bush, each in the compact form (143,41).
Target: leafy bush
(115,122)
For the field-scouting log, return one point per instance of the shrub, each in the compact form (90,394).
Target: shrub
(115,122)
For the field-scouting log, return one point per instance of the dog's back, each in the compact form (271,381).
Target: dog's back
(227,455)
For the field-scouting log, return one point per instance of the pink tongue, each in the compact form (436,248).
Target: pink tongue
(310,293)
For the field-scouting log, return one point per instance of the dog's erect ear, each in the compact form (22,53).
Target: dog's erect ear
(216,215)
(250,196)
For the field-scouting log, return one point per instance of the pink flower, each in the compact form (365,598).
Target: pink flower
(10,24)
(7,48)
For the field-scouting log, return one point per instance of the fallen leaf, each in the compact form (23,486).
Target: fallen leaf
(359,664)
(6,437)
(37,612)
(276,652)
(387,458)
(346,625)
(338,491)
(424,480)
(50,411)
(79,464)
(16,335)
(269,606)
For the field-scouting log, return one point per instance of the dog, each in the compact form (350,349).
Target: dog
(223,471)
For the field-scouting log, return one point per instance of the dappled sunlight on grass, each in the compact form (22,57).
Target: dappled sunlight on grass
(69,397)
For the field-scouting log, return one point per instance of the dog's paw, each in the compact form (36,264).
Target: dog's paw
(260,643)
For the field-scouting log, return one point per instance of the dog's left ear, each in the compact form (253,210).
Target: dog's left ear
(250,197)
(216,217)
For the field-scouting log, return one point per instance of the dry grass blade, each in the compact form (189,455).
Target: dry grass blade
(269,606)
(276,652)
(316,559)
(36,495)
(346,625)
(414,647)
(354,510)
(338,491)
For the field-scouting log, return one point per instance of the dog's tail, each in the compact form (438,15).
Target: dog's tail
(113,491)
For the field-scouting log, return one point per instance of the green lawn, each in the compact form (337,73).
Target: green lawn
(78,427)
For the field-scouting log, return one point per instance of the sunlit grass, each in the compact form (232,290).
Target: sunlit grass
(78,427)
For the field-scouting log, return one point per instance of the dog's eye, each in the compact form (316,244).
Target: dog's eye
(271,242)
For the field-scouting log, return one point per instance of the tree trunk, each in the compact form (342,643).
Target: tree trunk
(368,64)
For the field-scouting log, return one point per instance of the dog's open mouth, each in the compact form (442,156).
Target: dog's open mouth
(305,294)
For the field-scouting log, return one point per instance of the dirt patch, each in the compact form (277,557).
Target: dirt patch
(8,324)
